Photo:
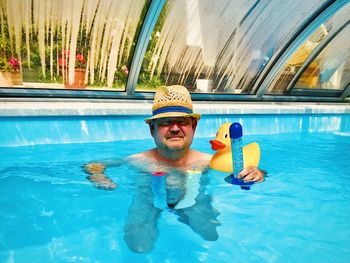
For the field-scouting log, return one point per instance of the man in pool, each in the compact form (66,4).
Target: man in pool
(172,127)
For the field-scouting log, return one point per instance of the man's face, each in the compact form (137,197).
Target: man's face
(173,134)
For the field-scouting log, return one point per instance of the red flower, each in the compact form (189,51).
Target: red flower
(62,62)
(80,58)
(80,61)
(125,70)
(15,63)
(66,53)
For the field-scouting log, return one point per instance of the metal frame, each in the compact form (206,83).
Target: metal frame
(316,92)
(314,55)
(149,23)
(265,79)
(346,92)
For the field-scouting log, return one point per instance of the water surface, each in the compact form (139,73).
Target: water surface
(49,212)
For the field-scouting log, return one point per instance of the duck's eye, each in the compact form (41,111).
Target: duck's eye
(216,134)
(225,135)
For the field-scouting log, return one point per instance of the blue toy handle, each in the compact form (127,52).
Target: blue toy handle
(236,134)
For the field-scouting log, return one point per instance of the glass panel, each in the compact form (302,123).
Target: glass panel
(219,46)
(68,43)
(297,59)
(331,68)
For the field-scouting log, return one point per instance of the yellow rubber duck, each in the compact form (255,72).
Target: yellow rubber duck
(222,159)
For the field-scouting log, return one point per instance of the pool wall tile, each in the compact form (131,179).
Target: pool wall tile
(21,131)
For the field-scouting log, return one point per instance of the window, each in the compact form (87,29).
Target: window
(74,44)
(330,70)
(218,46)
(310,78)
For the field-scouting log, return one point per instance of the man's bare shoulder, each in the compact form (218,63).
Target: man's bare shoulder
(195,158)
(142,155)
(200,156)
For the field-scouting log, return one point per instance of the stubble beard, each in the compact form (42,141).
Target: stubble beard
(174,147)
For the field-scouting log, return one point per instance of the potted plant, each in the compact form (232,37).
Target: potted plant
(79,71)
(10,66)
(10,73)
(16,71)
(5,73)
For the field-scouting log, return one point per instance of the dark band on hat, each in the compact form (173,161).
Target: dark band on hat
(172,109)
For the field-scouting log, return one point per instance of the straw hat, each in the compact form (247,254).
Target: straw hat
(172,101)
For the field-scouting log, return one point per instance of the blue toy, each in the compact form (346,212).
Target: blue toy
(236,133)
(159,190)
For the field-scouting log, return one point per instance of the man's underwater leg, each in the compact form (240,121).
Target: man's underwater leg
(202,216)
(140,231)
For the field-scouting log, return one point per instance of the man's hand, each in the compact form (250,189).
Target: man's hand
(94,168)
(101,181)
(251,174)
(97,176)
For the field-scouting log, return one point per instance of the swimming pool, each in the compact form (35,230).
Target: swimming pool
(51,213)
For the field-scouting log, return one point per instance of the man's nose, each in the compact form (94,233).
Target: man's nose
(174,126)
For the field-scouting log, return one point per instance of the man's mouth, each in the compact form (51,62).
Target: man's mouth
(174,137)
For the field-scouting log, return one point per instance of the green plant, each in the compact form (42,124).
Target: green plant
(8,62)
(4,65)
(30,58)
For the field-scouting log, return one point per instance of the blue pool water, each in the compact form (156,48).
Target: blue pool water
(49,212)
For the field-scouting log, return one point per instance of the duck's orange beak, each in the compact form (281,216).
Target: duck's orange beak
(217,145)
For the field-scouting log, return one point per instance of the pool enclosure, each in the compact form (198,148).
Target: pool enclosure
(220,50)
(77,79)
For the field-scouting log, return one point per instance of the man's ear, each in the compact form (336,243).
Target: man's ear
(194,124)
(151,128)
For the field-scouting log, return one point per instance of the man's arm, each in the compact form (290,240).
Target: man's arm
(96,175)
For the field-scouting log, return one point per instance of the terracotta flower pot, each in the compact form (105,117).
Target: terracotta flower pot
(79,80)
(6,79)
(17,78)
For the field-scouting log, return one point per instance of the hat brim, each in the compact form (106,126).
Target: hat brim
(173,114)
